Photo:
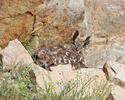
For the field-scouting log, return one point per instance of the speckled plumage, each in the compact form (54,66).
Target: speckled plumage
(61,54)
(55,55)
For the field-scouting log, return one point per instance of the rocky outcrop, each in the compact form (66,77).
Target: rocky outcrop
(53,22)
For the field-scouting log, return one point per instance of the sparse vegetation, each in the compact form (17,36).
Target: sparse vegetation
(21,87)
(0,63)
(28,47)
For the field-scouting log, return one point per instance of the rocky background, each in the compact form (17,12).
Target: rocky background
(49,21)
(52,22)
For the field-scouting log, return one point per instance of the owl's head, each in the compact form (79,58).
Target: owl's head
(77,45)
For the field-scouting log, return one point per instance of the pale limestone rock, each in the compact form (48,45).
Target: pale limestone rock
(96,75)
(116,52)
(118,93)
(61,68)
(96,58)
(115,73)
(101,54)
(15,53)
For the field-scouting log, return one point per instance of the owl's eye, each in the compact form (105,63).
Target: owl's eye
(77,49)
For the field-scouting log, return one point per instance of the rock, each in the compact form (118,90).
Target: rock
(52,21)
(115,73)
(99,58)
(116,52)
(105,18)
(16,19)
(109,97)
(96,75)
(18,27)
(13,8)
(101,54)
(15,53)
(99,41)
(61,68)
(121,60)
(118,93)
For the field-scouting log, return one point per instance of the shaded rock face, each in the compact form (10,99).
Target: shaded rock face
(105,17)
(52,21)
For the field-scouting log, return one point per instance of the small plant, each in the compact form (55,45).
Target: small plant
(28,47)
